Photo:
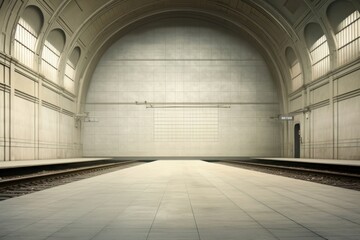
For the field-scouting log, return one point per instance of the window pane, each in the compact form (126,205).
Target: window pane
(348,38)
(24,45)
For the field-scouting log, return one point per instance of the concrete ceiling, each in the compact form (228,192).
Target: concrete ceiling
(93,25)
(270,24)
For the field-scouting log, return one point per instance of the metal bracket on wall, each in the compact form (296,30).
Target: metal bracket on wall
(79,117)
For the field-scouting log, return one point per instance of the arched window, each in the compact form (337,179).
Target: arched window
(319,50)
(70,69)
(53,47)
(345,21)
(295,69)
(26,35)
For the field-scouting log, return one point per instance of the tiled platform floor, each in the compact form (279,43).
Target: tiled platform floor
(184,200)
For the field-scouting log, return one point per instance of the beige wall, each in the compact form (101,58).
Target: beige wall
(330,124)
(175,61)
(36,117)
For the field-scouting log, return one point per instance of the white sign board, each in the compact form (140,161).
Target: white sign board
(286,118)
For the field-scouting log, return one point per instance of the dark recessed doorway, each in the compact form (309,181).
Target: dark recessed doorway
(297,140)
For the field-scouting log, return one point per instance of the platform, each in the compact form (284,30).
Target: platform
(30,163)
(317,161)
(165,200)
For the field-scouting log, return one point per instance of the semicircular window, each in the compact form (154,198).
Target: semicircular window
(70,69)
(319,50)
(53,48)
(295,69)
(345,21)
(26,35)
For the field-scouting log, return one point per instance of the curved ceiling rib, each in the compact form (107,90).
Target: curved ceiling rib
(114,16)
(110,35)
(94,24)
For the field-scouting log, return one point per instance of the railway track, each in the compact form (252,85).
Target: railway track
(14,186)
(335,175)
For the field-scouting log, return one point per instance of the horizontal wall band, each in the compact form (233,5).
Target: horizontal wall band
(18,143)
(26,96)
(50,106)
(5,59)
(5,88)
(26,75)
(68,113)
(348,95)
(186,59)
(317,86)
(49,87)
(347,69)
(47,81)
(320,104)
(57,148)
(182,103)
(67,97)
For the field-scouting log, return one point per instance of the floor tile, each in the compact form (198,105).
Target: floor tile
(184,200)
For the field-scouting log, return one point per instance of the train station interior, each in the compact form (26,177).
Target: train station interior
(179,92)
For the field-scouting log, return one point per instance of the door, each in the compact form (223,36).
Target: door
(297,140)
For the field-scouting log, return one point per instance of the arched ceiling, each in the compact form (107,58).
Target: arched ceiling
(94,25)
(95,16)
(99,23)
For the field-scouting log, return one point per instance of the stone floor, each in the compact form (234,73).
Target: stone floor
(184,200)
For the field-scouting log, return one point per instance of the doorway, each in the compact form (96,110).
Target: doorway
(297,140)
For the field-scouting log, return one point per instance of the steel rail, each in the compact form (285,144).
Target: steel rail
(298,169)
(59,173)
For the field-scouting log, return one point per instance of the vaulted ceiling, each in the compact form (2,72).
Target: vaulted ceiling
(93,25)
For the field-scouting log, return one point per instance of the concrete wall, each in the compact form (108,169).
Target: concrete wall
(36,116)
(329,111)
(181,61)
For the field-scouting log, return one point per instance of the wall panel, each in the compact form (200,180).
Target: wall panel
(48,132)
(50,95)
(24,83)
(182,61)
(23,134)
(321,134)
(296,104)
(319,94)
(29,117)
(348,83)
(2,124)
(349,128)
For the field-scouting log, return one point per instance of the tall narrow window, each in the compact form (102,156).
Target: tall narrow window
(26,35)
(295,69)
(70,69)
(51,54)
(345,21)
(319,50)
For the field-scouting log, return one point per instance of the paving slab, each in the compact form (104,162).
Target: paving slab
(189,199)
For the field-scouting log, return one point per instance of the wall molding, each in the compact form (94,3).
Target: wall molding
(319,85)
(26,96)
(296,92)
(50,106)
(67,97)
(347,69)
(5,88)
(26,75)
(68,113)
(5,59)
(320,104)
(50,83)
(348,95)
